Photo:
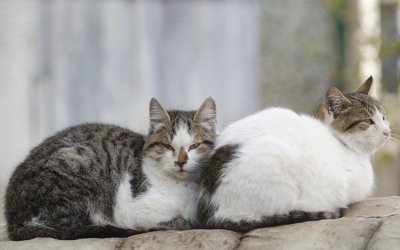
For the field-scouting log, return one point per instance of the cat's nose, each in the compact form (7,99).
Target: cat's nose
(181,163)
(386,133)
(182,158)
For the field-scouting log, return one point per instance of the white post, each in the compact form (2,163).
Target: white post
(368,37)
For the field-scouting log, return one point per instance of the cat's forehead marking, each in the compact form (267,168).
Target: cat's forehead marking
(363,103)
(182,137)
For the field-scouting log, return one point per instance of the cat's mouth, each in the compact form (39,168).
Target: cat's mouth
(181,170)
(181,174)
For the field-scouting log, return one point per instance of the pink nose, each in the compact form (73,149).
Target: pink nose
(386,133)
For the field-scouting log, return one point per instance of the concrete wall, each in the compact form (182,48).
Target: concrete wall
(18,33)
(105,60)
(65,62)
(298,52)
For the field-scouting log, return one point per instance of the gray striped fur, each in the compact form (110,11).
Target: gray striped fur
(66,187)
(276,220)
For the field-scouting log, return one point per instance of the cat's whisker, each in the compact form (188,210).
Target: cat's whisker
(372,148)
(392,139)
(394,135)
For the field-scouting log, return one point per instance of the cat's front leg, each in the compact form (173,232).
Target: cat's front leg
(177,223)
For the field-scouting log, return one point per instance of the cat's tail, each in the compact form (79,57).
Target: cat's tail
(29,232)
(276,220)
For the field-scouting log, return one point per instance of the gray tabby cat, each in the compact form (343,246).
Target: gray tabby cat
(98,180)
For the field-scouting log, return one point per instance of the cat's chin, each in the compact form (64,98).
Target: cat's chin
(182,174)
(370,150)
(380,145)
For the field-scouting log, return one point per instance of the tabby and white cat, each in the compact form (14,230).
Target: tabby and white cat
(98,180)
(277,167)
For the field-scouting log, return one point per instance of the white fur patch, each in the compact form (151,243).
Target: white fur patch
(164,200)
(35,222)
(98,218)
(182,138)
(287,162)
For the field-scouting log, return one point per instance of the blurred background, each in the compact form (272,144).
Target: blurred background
(66,62)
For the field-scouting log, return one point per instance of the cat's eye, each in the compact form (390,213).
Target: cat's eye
(168,146)
(209,143)
(383,117)
(161,145)
(194,146)
(204,142)
(370,121)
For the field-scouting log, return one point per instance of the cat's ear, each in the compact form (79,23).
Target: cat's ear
(159,118)
(365,87)
(206,115)
(336,101)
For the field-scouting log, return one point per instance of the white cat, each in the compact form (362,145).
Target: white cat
(277,167)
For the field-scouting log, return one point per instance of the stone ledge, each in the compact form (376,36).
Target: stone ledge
(370,224)
(48,243)
(376,207)
(350,233)
(190,239)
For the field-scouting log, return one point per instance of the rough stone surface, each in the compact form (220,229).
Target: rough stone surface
(375,207)
(344,233)
(371,224)
(50,244)
(192,239)
(3,232)
(387,236)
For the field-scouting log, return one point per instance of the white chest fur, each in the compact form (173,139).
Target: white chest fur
(163,201)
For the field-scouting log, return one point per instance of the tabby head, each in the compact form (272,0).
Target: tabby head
(355,118)
(179,140)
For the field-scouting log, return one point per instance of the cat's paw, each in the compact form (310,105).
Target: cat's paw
(330,215)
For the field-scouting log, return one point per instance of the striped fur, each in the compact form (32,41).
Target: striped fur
(68,182)
(276,220)
(97,180)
